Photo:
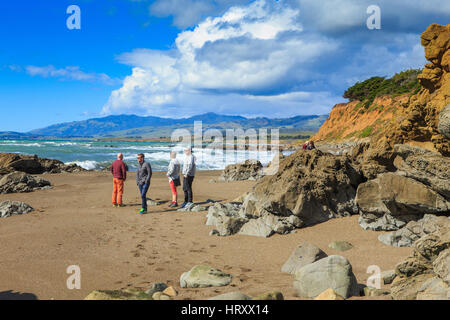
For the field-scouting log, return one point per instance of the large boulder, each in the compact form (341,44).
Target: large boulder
(17,162)
(226,218)
(313,186)
(441,266)
(425,166)
(406,236)
(202,276)
(333,272)
(217,210)
(425,274)
(32,164)
(303,254)
(434,289)
(12,208)
(229,218)
(444,121)
(22,182)
(390,201)
(247,170)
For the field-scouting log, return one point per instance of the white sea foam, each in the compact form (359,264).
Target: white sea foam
(87,164)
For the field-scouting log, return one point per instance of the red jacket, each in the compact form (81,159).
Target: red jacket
(119,170)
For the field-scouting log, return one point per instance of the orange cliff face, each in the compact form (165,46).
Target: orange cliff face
(351,121)
(402,119)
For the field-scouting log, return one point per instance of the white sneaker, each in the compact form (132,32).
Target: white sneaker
(188,205)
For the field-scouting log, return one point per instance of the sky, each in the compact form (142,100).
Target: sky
(178,58)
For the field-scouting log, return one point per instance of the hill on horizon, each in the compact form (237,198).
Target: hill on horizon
(133,126)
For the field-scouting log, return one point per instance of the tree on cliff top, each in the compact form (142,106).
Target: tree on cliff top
(368,90)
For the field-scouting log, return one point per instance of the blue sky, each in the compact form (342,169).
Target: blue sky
(174,58)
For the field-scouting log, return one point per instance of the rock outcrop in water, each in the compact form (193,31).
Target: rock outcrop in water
(10,162)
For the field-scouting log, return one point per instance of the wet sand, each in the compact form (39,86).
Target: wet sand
(116,248)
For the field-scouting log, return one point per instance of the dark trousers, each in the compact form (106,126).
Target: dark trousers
(187,188)
(143,190)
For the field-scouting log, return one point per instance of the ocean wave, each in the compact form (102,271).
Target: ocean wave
(87,164)
(21,144)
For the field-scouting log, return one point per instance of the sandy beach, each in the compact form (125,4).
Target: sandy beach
(116,248)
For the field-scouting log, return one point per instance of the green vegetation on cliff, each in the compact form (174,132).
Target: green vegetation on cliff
(368,90)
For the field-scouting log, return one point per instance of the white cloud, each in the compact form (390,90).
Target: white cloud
(270,57)
(337,16)
(247,50)
(187,13)
(69,73)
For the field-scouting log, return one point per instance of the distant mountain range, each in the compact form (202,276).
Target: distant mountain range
(132,126)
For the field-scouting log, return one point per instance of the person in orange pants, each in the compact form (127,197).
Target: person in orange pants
(119,172)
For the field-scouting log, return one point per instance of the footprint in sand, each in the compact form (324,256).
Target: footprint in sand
(134,275)
(159,269)
(212,246)
(242,277)
(243,269)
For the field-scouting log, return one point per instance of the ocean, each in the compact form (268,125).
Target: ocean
(97,155)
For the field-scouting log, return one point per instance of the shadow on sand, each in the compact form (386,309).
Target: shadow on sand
(11,295)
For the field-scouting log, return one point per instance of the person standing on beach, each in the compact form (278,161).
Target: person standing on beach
(188,177)
(173,173)
(119,172)
(143,176)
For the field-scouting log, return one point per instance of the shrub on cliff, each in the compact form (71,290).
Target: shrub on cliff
(368,90)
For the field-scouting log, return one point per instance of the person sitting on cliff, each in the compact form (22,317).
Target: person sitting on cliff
(119,171)
(310,145)
(305,145)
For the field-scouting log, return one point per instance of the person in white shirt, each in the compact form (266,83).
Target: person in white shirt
(188,177)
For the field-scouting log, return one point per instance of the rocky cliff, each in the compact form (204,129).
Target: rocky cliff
(412,119)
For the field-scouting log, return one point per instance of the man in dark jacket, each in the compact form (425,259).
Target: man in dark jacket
(119,172)
(143,176)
